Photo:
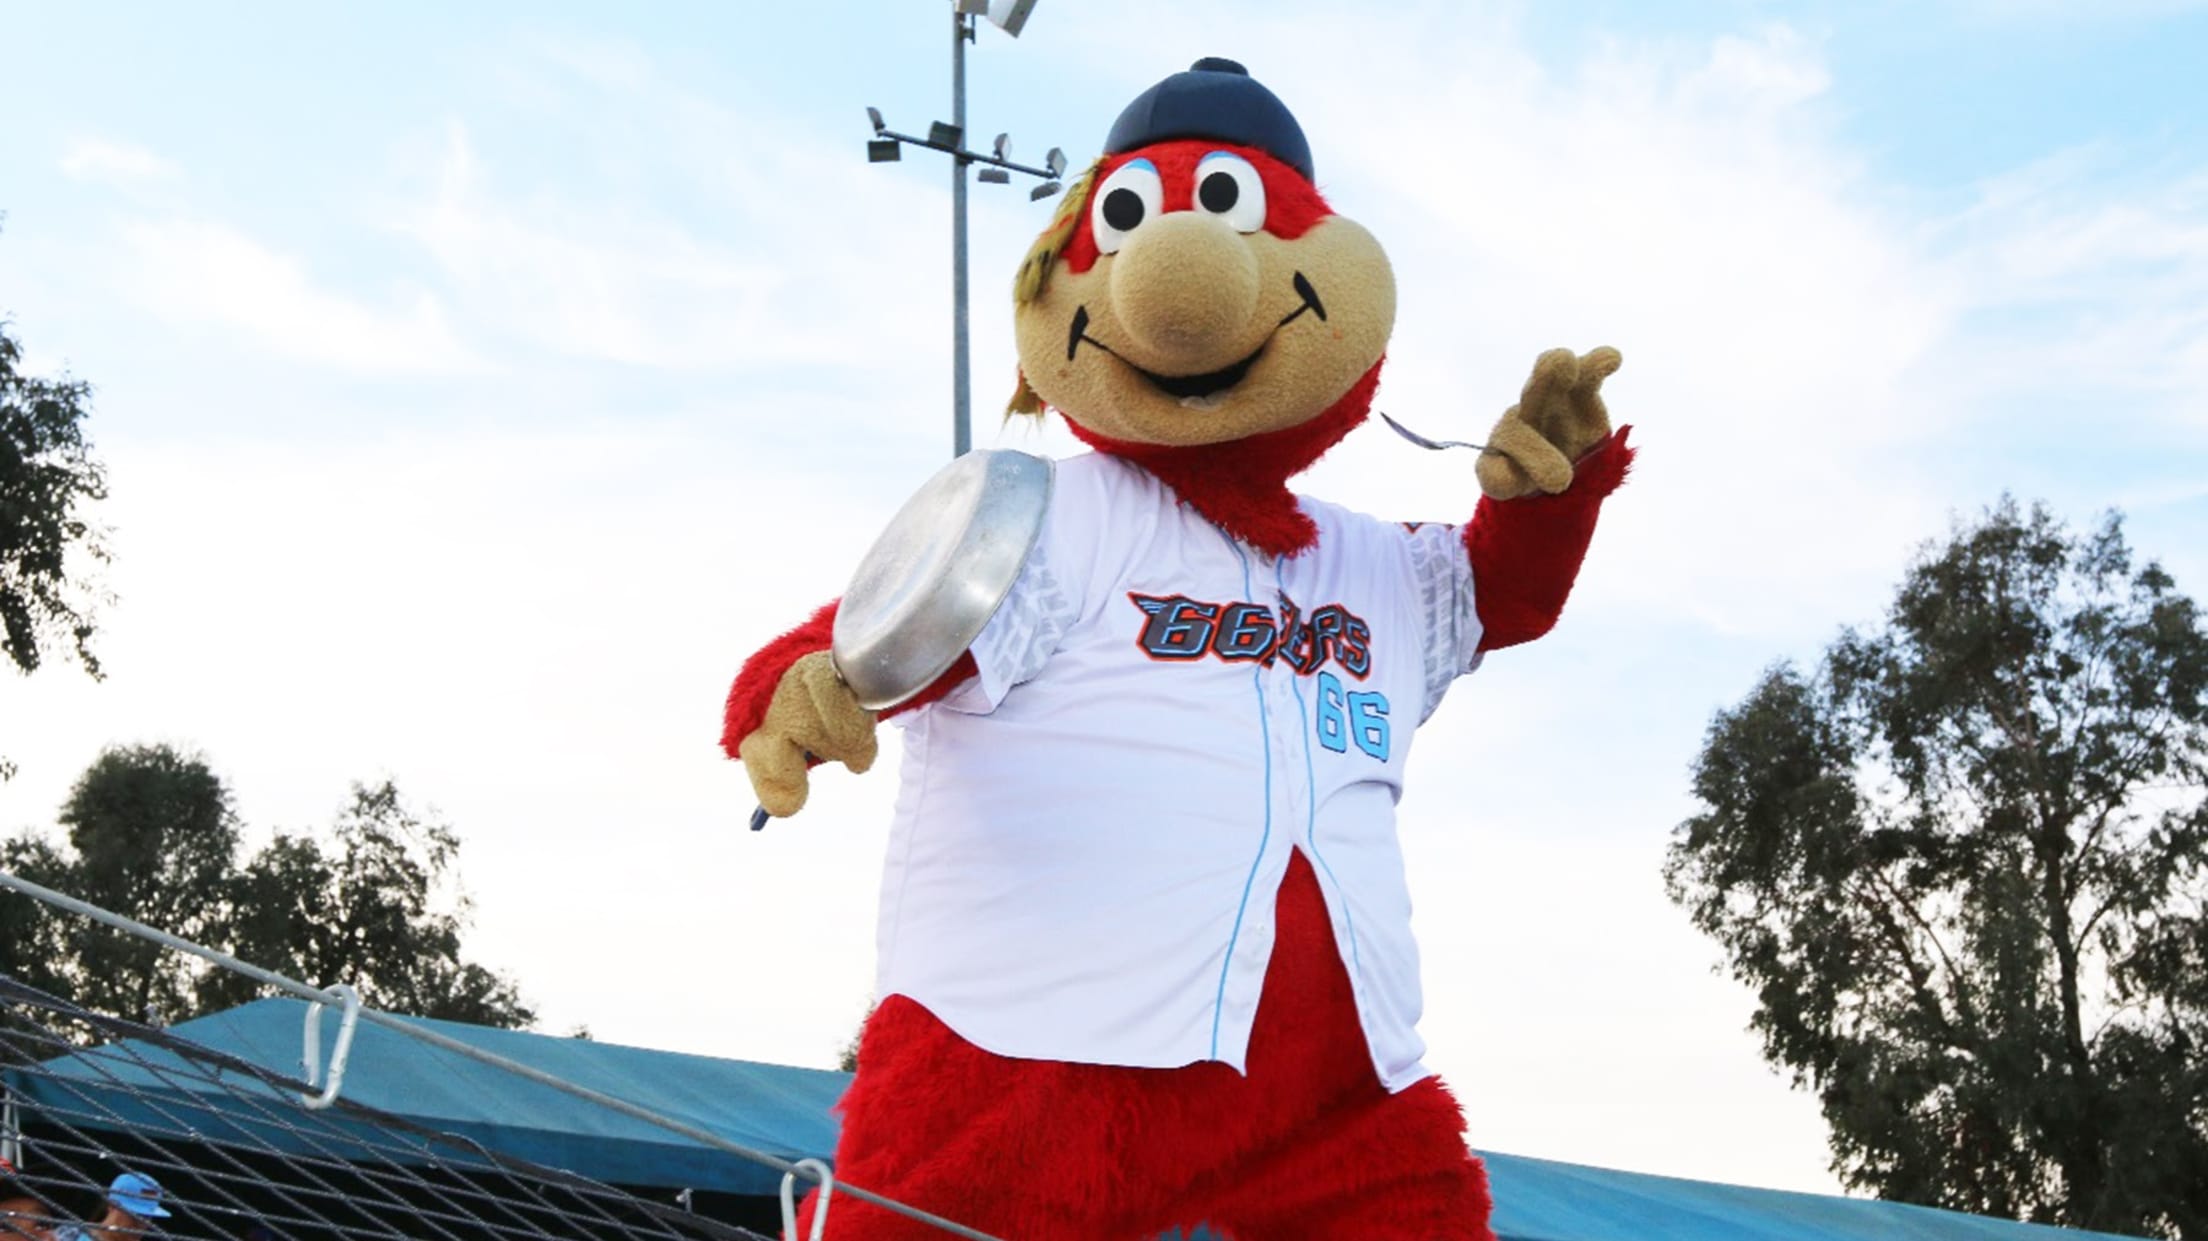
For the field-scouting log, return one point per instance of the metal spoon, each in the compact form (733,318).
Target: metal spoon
(1423,442)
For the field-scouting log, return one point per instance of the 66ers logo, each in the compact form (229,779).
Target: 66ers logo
(1178,627)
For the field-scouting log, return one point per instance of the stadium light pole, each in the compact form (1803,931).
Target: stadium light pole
(950,138)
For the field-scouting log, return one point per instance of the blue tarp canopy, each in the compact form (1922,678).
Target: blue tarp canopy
(786,1112)
(780,1110)
(1539,1200)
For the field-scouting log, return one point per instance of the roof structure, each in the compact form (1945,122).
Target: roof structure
(1541,1200)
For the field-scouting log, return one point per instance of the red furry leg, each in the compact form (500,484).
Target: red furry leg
(1038,1150)
(1351,1159)
(1395,1169)
(1309,1144)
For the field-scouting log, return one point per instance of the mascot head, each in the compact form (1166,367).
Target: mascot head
(1195,289)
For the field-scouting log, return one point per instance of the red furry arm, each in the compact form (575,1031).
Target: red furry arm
(1526,552)
(754,687)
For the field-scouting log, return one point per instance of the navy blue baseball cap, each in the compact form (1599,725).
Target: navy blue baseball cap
(1217,99)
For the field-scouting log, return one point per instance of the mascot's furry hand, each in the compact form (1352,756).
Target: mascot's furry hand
(813,717)
(1558,417)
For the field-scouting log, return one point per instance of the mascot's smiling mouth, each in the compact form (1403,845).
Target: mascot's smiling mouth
(1198,387)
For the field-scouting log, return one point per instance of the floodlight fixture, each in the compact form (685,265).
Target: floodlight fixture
(1010,15)
(887,145)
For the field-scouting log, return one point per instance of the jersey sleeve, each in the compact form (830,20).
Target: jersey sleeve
(1026,630)
(1448,612)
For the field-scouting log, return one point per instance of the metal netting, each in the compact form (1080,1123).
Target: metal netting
(90,1096)
(242,1156)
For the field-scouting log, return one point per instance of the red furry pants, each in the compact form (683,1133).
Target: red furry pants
(1308,1145)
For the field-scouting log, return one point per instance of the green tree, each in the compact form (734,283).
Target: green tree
(154,837)
(33,944)
(151,834)
(48,479)
(369,908)
(1962,867)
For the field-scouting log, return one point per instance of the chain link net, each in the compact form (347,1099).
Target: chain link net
(91,1096)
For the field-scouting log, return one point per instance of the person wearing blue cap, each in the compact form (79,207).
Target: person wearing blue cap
(133,1201)
(137,1198)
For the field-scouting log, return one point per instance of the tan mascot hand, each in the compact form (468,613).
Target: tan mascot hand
(812,716)
(1558,417)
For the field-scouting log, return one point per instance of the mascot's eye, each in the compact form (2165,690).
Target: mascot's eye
(1129,196)
(1228,187)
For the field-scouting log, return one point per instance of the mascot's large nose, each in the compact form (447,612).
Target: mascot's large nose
(1185,286)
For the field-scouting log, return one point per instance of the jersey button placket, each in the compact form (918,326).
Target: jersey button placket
(1291,764)
(1290,749)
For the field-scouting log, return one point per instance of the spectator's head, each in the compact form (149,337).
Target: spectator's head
(138,1196)
(23,1215)
(24,1212)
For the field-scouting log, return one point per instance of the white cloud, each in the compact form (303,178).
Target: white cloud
(2096,12)
(120,163)
(2110,267)
(211,277)
(630,290)
(1776,69)
(781,276)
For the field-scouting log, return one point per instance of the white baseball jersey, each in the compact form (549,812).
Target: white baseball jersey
(1090,833)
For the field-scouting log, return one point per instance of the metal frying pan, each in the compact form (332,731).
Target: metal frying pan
(935,576)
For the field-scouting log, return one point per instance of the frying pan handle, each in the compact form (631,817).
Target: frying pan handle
(759,815)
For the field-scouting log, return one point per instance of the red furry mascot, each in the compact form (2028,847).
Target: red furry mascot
(1145,948)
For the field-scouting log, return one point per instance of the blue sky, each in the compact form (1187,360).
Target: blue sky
(480,383)
(1938,96)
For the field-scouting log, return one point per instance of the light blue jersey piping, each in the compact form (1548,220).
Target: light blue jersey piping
(1311,810)
(1265,734)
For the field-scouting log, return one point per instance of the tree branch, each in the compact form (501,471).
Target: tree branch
(1919,973)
